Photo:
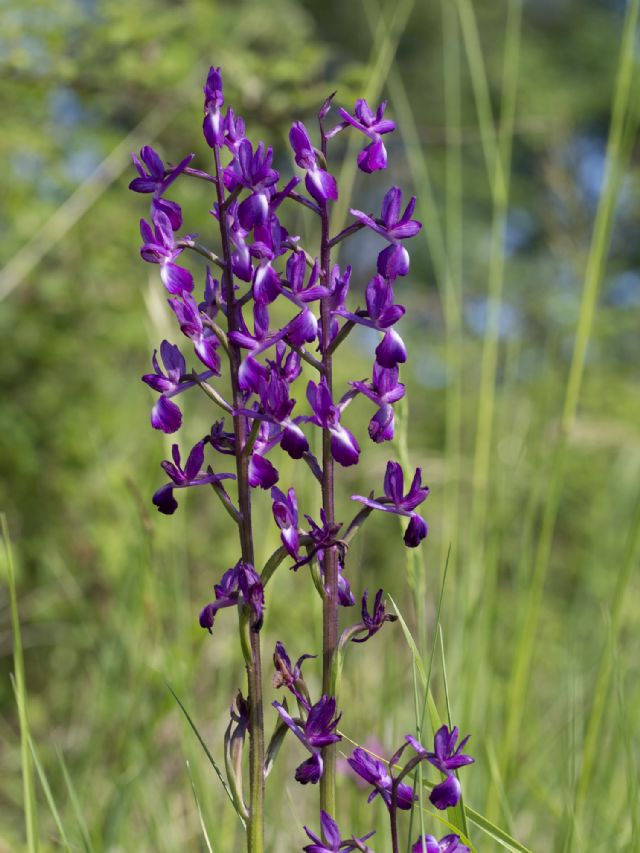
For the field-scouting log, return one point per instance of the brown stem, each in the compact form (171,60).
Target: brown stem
(255,831)
(330,605)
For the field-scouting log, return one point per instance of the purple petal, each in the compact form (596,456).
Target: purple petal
(321,185)
(171,209)
(176,279)
(195,460)
(394,482)
(164,500)
(330,829)
(261,472)
(391,350)
(373,158)
(294,441)
(207,351)
(416,531)
(253,211)
(447,794)
(310,771)
(344,447)
(381,425)
(166,416)
(393,262)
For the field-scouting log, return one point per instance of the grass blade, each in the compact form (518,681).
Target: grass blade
(75,804)
(26,761)
(212,760)
(200,815)
(46,788)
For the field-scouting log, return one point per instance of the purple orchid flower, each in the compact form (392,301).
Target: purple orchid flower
(339,290)
(166,415)
(374,125)
(344,446)
(316,732)
(447,759)
(376,773)
(252,171)
(276,408)
(384,390)
(333,838)
(240,584)
(159,248)
(394,260)
(448,844)
(234,129)
(285,513)
(399,504)
(304,326)
(155,178)
(286,364)
(319,183)
(267,246)
(183,478)
(213,124)
(373,621)
(252,374)
(261,472)
(382,313)
(289,676)
(241,263)
(205,343)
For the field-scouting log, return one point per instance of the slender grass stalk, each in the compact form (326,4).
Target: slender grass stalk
(453,281)
(603,679)
(617,152)
(500,198)
(26,758)
(46,788)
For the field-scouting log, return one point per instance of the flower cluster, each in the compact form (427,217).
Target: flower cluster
(277,389)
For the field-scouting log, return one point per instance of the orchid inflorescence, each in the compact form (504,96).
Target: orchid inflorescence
(229,322)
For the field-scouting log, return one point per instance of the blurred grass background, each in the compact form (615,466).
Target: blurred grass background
(517,131)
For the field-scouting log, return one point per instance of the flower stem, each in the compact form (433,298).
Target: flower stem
(393,817)
(255,830)
(330,604)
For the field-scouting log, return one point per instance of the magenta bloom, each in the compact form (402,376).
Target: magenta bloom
(319,183)
(448,844)
(213,126)
(155,178)
(241,584)
(183,478)
(382,314)
(399,504)
(334,841)
(159,248)
(285,513)
(447,758)
(374,125)
(166,415)
(252,171)
(204,341)
(344,447)
(394,260)
(384,390)
(373,621)
(316,732)
(376,773)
